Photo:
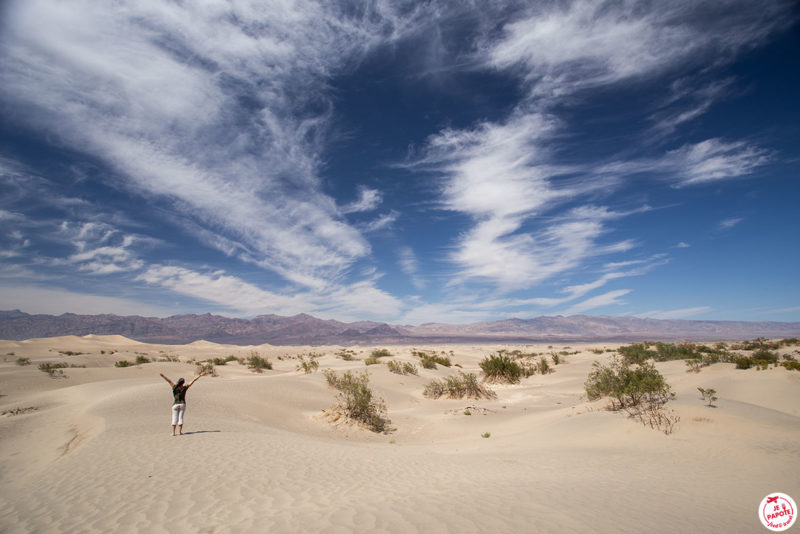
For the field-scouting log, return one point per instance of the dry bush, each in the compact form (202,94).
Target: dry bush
(357,402)
(402,368)
(458,387)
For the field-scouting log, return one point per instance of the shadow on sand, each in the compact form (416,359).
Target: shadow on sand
(200,432)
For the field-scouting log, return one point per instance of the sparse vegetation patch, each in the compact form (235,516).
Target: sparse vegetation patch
(458,387)
(402,368)
(501,368)
(357,402)
(639,389)
(257,363)
(23,361)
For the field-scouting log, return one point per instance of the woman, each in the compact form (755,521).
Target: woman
(179,397)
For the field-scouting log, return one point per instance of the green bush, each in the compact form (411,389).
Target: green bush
(381,353)
(636,353)
(791,366)
(709,395)
(428,360)
(358,402)
(123,363)
(626,385)
(23,361)
(141,359)
(308,366)
(257,363)
(53,369)
(458,387)
(372,360)
(207,367)
(501,369)
(544,367)
(764,355)
(402,368)
(346,354)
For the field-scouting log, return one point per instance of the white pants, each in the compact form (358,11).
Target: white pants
(177,413)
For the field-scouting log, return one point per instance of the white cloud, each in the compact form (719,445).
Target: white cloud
(218,109)
(410,265)
(381,223)
(675,314)
(606,299)
(715,159)
(683,245)
(34,299)
(231,292)
(560,48)
(727,224)
(368,200)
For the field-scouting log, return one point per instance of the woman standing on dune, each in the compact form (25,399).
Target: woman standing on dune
(179,397)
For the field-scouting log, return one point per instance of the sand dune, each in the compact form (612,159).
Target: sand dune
(95,453)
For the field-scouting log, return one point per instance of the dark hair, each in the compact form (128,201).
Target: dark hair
(181,381)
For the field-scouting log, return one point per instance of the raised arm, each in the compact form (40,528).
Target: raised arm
(202,373)
(167,379)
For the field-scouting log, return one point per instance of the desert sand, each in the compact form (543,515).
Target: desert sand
(93,451)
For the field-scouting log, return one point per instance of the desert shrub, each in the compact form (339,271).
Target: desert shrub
(458,387)
(330,377)
(556,358)
(709,395)
(23,361)
(746,362)
(597,351)
(694,366)
(308,366)
(627,385)
(372,360)
(221,361)
(141,359)
(207,367)
(764,355)
(53,369)
(358,402)
(69,353)
(641,391)
(544,367)
(402,368)
(346,354)
(499,368)
(486,435)
(428,360)
(381,353)
(123,363)
(257,363)
(791,366)
(427,363)
(636,353)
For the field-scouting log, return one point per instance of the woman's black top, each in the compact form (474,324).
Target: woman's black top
(179,394)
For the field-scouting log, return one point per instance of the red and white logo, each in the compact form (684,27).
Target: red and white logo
(777,512)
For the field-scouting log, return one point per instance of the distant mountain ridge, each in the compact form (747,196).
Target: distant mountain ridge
(305,329)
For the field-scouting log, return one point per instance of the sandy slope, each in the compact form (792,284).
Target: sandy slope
(97,455)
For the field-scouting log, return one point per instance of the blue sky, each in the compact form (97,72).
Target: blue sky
(400,161)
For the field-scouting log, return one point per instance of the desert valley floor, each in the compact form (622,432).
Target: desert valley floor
(91,450)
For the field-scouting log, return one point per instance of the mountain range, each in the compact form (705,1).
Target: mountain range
(305,329)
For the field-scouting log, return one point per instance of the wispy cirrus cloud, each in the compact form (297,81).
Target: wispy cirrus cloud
(727,224)
(230,292)
(503,174)
(218,111)
(681,313)
(611,298)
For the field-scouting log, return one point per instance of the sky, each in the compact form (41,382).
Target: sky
(406,162)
